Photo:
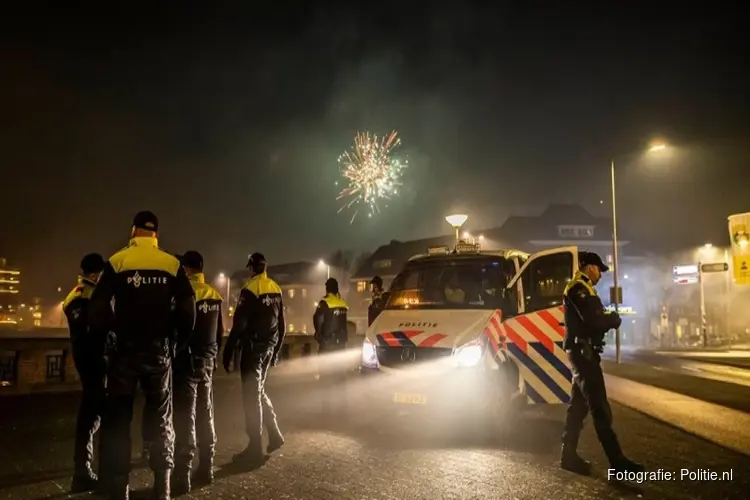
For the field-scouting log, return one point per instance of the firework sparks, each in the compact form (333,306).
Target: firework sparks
(372,174)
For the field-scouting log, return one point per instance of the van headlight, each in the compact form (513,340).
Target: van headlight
(369,355)
(468,355)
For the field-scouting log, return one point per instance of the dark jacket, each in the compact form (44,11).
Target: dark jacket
(259,316)
(376,307)
(209,328)
(585,317)
(145,298)
(330,321)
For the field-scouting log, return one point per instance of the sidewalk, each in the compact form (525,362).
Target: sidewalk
(715,423)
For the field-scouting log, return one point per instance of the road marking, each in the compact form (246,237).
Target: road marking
(721,425)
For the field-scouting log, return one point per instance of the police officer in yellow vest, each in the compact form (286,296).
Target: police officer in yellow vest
(330,320)
(258,329)
(379,300)
(586,323)
(193,373)
(88,356)
(153,318)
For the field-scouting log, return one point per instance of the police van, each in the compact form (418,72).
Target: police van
(472,331)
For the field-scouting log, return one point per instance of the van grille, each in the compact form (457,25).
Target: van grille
(405,356)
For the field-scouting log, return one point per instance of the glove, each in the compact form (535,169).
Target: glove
(616,320)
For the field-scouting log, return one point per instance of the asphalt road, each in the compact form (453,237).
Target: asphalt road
(379,455)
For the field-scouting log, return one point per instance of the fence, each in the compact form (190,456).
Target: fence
(40,360)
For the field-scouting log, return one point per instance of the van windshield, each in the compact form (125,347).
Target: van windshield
(451,284)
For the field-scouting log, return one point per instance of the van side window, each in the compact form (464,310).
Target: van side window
(544,281)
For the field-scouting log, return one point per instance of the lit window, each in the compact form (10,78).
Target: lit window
(304,293)
(291,327)
(291,293)
(361,286)
(304,328)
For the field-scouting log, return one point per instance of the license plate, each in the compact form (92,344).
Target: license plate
(409,399)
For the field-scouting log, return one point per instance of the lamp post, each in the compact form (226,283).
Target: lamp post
(229,284)
(322,263)
(615,264)
(457,220)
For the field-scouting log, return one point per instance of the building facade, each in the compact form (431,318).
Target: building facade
(10,288)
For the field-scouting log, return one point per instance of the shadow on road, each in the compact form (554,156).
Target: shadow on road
(22,479)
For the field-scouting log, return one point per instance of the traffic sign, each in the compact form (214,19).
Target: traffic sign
(688,280)
(686,274)
(686,270)
(715,267)
(615,295)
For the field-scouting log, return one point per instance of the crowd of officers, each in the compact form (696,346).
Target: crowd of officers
(147,318)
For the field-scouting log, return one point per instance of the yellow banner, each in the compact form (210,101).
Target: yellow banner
(739,225)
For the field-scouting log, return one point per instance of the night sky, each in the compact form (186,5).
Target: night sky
(227,124)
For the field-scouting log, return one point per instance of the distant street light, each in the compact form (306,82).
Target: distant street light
(457,220)
(224,277)
(481,238)
(321,264)
(615,264)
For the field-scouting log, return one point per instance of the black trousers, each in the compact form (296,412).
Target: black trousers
(91,370)
(154,374)
(332,380)
(193,410)
(589,395)
(259,413)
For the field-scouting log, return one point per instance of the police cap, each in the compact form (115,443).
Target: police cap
(256,262)
(146,220)
(592,259)
(192,260)
(92,263)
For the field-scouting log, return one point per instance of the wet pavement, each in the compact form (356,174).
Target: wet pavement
(377,453)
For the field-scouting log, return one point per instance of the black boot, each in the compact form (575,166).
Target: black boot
(204,474)
(251,457)
(161,490)
(624,464)
(275,440)
(181,481)
(84,479)
(570,461)
(119,489)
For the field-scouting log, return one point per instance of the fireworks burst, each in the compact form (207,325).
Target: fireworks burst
(372,174)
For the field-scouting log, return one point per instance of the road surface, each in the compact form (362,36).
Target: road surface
(379,455)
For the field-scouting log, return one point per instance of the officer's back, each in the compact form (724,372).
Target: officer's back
(209,328)
(263,309)
(152,295)
(330,318)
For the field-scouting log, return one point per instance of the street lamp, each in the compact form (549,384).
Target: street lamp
(322,263)
(457,220)
(655,148)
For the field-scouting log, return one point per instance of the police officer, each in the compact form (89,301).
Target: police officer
(258,330)
(88,356)
(586,324)
(379,299)
(153,318)
(193,383)
(331,334)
